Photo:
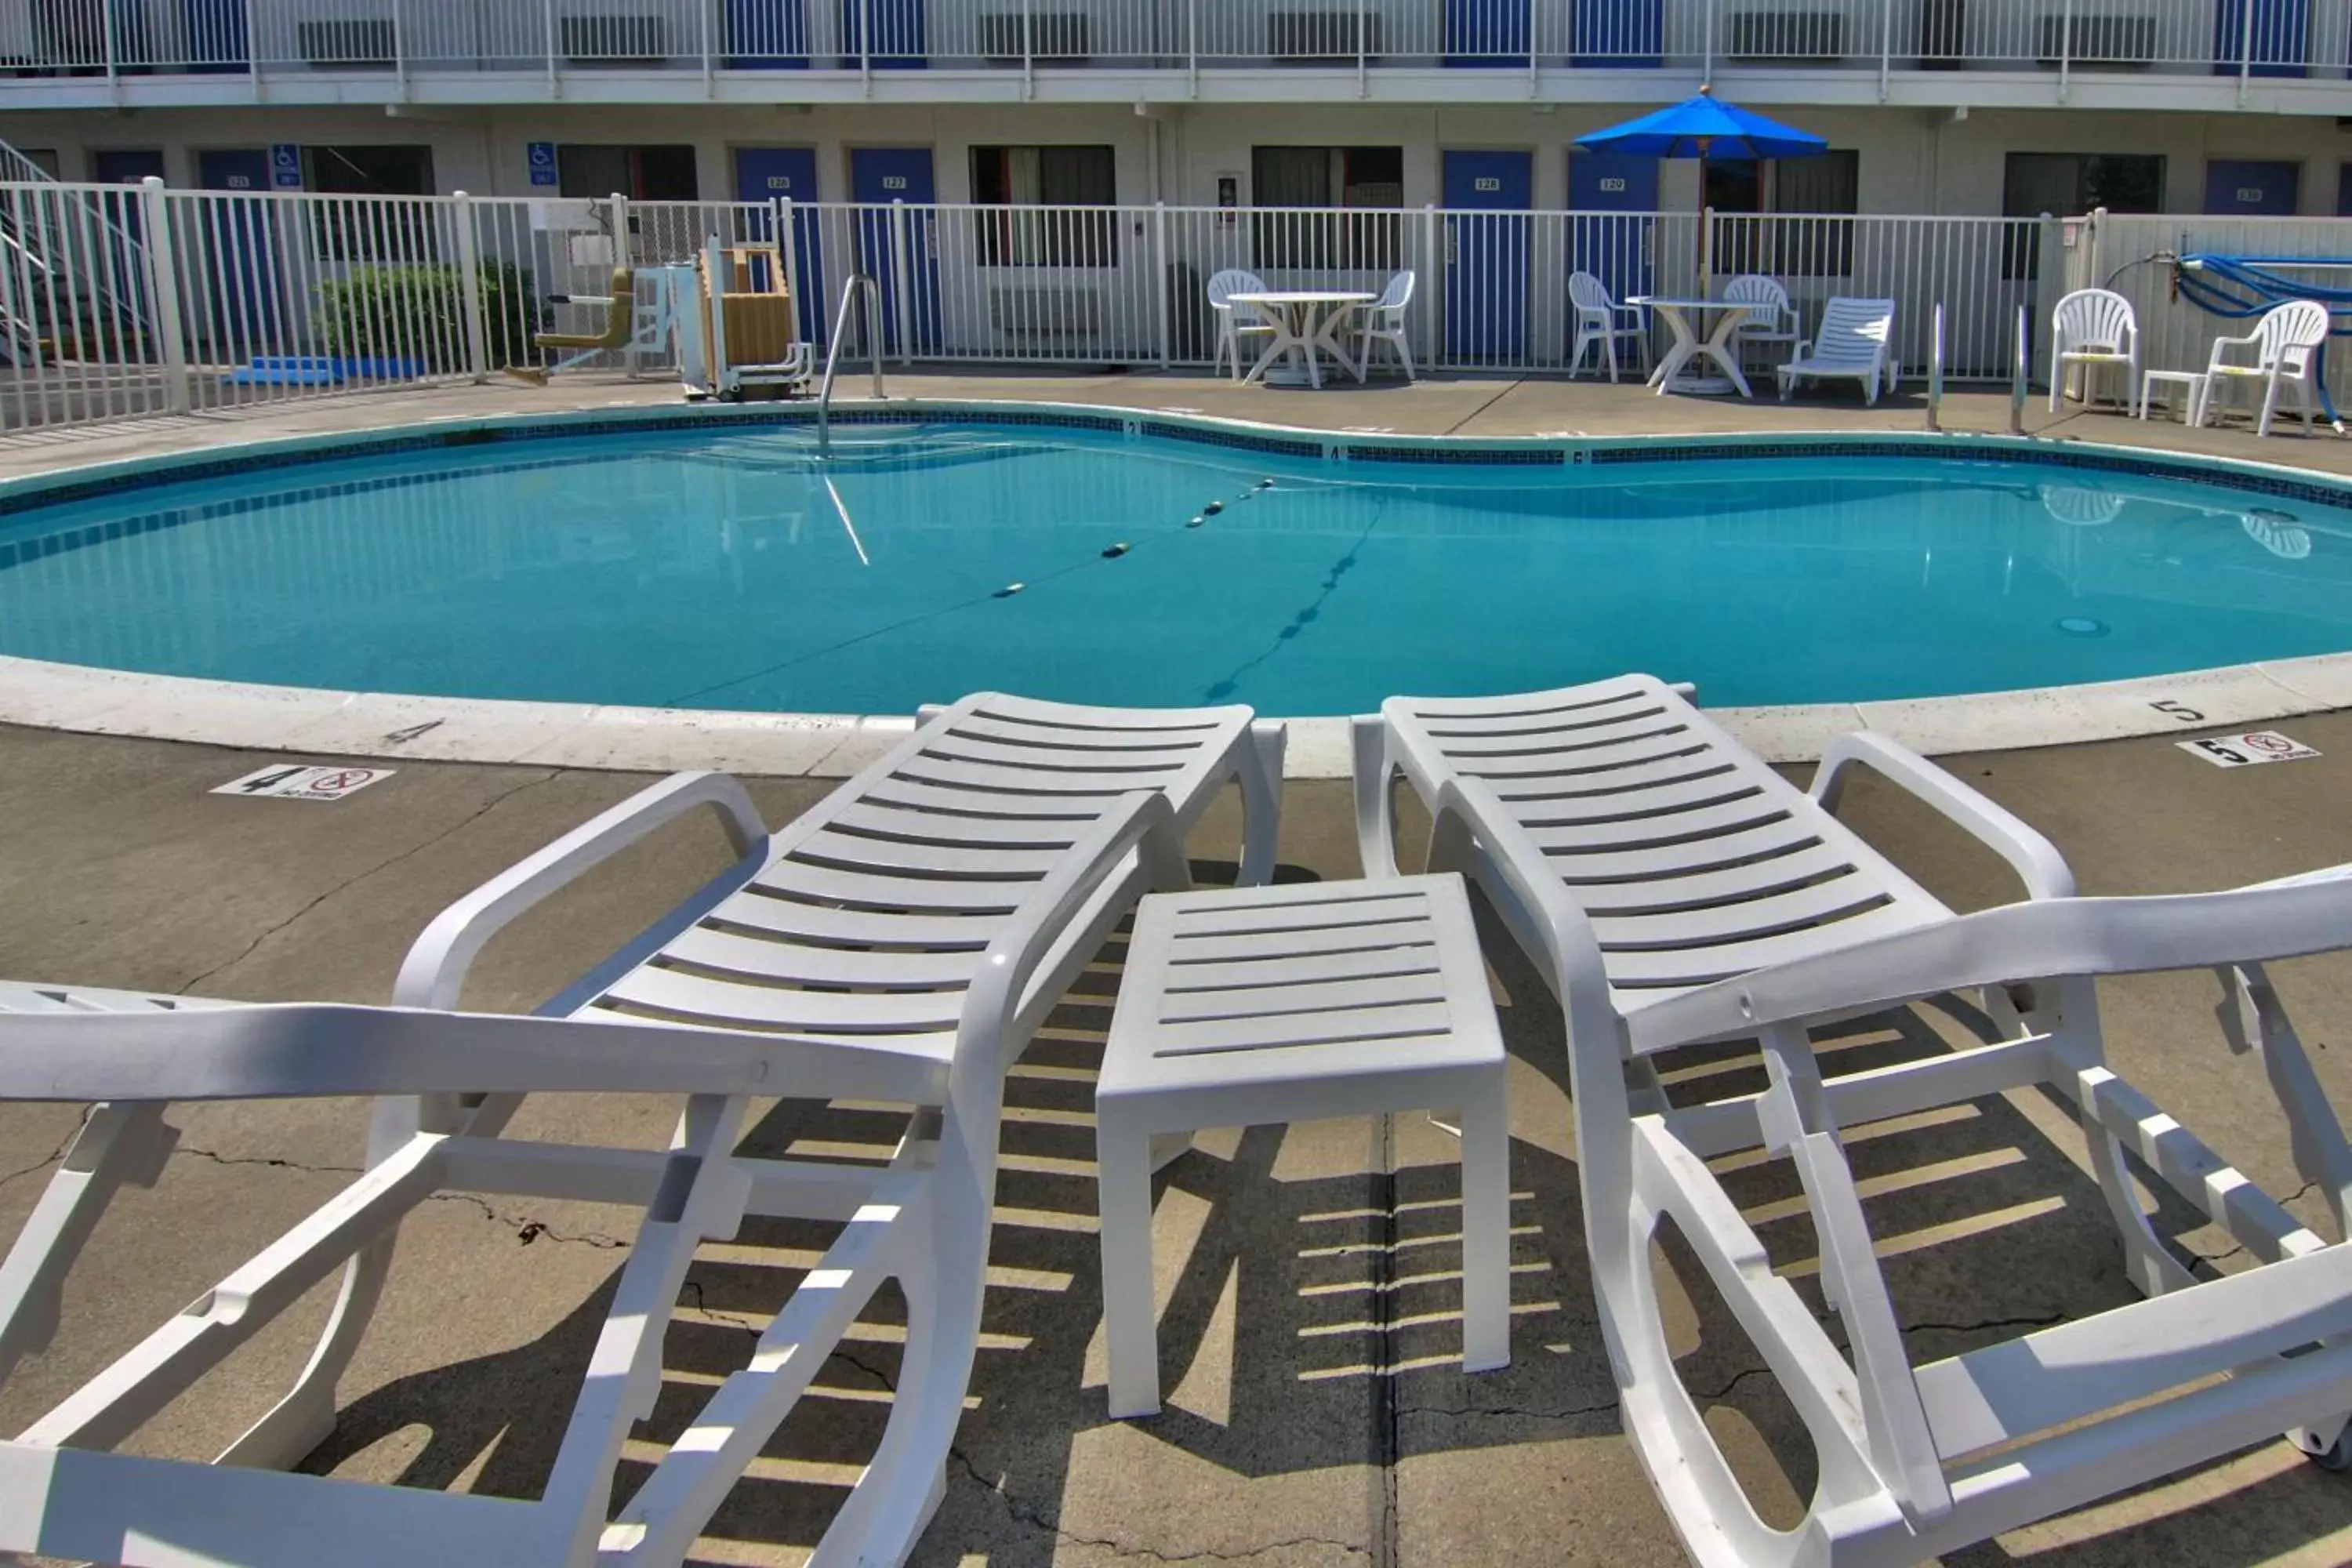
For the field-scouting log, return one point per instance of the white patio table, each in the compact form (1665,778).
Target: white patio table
(1674,371)
(1306,323)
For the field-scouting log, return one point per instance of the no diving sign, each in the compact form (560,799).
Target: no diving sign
(283,782)
(2245,751)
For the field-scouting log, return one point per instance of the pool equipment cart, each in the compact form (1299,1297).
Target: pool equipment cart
(740,333)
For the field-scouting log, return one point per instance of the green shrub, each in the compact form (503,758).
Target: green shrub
(419,312)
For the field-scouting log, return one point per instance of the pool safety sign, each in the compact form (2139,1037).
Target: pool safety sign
(282,781)
(2244,750)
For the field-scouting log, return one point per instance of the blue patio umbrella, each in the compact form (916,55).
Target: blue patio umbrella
(1702,128)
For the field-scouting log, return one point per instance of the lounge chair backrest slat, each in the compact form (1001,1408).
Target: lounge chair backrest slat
(1855,330)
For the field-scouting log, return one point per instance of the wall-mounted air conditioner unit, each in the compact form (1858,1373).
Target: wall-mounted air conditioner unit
(2110,40)
(362,43)
(1321,37)
(613,40)
(1806,35)
(1053,36)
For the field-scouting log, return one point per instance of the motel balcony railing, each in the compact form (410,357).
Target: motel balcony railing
(215,51)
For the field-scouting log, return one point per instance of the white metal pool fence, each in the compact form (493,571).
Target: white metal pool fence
(119,302)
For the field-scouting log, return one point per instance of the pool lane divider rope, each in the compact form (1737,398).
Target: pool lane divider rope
(1116,552)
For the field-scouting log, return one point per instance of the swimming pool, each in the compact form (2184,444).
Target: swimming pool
(711,565)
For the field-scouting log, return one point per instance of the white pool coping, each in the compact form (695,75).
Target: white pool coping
(380,725)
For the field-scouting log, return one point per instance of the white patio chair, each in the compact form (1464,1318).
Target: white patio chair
(2289,342)
(1855,339)
(898,943)
(1596,312)
(2093,328)
(1232,328)
(1384,322)
(1773,322)
(1676,892)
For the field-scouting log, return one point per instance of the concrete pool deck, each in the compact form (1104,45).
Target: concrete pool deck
(1315,1415)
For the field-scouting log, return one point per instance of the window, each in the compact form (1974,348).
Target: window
(1828,187)
(1366,182)
(2066,184)
(371,231)
(588,173)
(1045,177)
(368,171)
(1786,244)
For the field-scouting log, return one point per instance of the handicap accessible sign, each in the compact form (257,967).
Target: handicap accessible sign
(285,166)
(543,163)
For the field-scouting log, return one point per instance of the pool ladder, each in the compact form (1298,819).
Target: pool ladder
(850,288)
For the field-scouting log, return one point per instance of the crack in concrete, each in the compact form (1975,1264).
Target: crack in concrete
(1568,1412)
(703,1306)
(60,1152)
(1022,1512)
(355,879)
(2235,1249)
(527,1229)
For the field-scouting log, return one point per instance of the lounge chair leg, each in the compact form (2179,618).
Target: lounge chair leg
(1261,782)
(1368,734)
(300,1422)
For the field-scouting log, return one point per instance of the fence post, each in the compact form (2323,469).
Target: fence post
(107,21)
(1028,54)
(1160,272)
(1192,46)
(469,283)
(901,283)
(163,288)
(1432,307)
(787,245)
(548,12)
(2246,47)
(1706,59)
(1936,372)
(252,51)
(1886,45)
(2065,48)
(2018,370)
(866,44)
(621,246)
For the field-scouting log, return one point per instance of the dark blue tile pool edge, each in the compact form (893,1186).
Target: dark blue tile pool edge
(1349,447)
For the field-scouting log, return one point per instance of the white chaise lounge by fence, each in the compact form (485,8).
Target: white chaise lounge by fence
(1676,892)
(1854,341)
(898,943)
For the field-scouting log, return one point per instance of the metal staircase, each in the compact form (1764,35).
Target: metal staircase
(73,274)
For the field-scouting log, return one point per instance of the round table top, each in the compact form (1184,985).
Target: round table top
(1664,302)
(1305,297)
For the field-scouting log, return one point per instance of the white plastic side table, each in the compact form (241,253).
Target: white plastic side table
(2192,381)
(1251,1006)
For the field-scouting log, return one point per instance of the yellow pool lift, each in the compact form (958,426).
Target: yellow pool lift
(742,334)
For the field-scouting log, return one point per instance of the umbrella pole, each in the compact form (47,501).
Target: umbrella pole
(1705,220)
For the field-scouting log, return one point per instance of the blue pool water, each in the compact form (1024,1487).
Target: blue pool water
(715,569)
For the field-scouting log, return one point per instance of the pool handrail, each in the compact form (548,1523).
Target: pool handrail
(849,290)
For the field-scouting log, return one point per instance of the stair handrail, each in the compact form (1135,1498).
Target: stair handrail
(856,283)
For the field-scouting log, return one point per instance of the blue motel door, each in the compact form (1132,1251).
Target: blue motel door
(2251,187)
(766,35)
(1615,250)
(240,252)
(1486,252)
(789,173)
(1488,33)
(2277,36)
(879,176)
(1617,35)
(897,33)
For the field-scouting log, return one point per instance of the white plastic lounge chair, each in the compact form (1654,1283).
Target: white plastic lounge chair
(2288,343)
(1677,891)
(899,944)
(1774,320)
(1384,322)
(1855,339)
(2094,328)
(1233,328)
(1597,314)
